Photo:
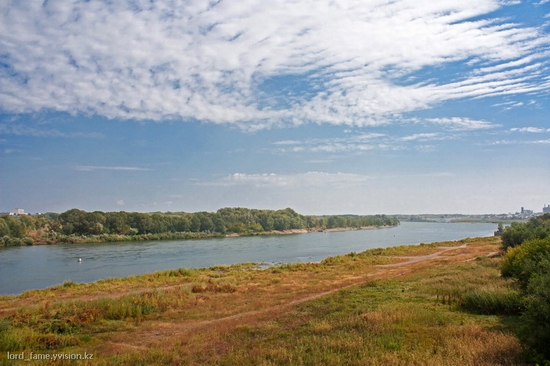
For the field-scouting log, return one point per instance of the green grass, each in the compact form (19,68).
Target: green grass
(403,321)
(376,324)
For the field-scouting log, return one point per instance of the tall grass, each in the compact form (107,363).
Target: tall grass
(53,325)
(497,302)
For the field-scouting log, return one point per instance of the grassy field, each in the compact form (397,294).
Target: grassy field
(395,306)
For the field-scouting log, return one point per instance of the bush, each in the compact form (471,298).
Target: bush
(523,261)
(537,312)
(529,263)
(517,233)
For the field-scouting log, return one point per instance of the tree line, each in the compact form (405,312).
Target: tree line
(80,226)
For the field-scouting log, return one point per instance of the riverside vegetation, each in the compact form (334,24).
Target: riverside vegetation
(527,261)
(429,304)
(78,226)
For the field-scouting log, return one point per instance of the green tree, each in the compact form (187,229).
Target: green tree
(182,224)
(73,221)
(4,228)
(195,224)
(16,228)
(117,223)
(206,223)
(219,224)
(266,220)
(281,222)
(256,228)
(536,228)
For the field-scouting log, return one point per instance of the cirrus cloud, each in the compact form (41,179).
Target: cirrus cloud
(309,179)
(352,63)
(530,129)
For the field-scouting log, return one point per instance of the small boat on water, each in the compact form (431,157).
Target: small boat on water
(79,259)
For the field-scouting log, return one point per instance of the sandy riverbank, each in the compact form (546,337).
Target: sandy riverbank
(306,231)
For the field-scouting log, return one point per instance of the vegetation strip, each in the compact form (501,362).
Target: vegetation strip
(77,226)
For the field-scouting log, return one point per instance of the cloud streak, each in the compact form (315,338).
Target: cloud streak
(13,128)
(231,62)
(449,129)
(530,129)
(290,181)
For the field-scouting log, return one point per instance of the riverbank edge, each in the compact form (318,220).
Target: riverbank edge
(116,238)
(308,231)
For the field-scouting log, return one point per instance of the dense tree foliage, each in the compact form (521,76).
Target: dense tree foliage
(76,225)
(528,262)
(536,228)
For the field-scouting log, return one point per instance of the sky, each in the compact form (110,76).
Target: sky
(327,107)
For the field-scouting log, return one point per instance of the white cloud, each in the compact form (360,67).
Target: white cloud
(291,181)
(462,124)
(420,137)
(362,142)
(521,142)
(530,129)
(287,142)
(234,62)
(352,143)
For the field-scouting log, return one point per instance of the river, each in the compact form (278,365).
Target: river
(41,266)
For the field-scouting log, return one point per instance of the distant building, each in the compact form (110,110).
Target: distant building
(18,212)
(524,213)
(546,209)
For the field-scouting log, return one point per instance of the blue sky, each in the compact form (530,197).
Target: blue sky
(328,107)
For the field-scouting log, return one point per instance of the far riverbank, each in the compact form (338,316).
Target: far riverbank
(308,231)
(78,226)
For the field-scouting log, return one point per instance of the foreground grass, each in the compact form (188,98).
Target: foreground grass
(346,310)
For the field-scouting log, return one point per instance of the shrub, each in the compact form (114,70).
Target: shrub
(529,263)
(523,261)
(537,312)
(517,233)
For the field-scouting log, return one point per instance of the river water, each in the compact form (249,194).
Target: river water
(41,266)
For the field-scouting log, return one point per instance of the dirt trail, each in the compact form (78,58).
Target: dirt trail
(156,333)
(415,259)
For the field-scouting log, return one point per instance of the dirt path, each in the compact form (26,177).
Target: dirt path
(421,258)
(157,333)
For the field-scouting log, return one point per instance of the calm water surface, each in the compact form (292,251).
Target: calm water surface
(34,267)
